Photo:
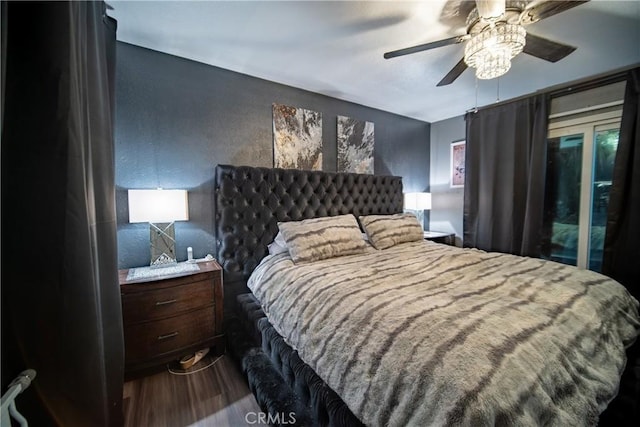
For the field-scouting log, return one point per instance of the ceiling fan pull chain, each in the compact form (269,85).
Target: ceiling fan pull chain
(475,108)
(498,90)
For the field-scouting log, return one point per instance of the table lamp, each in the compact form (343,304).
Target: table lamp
(160,208)
(418,202)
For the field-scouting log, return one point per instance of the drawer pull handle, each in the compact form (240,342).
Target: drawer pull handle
(171,301)
(164,337)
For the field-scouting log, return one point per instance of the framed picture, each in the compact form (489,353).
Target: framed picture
(457,163)
(297,138)
(355,145)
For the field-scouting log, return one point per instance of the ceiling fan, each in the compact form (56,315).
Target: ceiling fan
(496,34)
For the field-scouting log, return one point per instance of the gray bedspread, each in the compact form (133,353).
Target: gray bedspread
(426,334)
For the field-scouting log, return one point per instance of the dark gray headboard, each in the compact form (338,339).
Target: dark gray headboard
(250,202)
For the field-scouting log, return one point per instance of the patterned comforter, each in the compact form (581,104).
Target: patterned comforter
(426,334)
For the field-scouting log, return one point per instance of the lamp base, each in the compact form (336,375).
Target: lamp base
(419,215)
(163,261)
(162,240)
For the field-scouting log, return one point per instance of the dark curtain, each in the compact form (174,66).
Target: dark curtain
(60,296)
(505,177)
(621,249)
(621,246)
(3,46)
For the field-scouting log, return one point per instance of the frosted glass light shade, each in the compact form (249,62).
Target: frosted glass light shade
(158,206)
(417,201)
(490,9)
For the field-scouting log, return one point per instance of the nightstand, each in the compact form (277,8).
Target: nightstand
(440,237)
(170,312)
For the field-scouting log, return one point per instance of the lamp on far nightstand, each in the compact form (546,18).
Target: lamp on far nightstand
(160,208)
(418,202)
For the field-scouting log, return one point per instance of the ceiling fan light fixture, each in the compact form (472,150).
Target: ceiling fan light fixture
(491,50)
(493,65)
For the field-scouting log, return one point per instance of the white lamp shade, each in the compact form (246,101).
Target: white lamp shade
(417,201)
(158,206)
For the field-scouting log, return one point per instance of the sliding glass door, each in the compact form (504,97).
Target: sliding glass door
(580,158)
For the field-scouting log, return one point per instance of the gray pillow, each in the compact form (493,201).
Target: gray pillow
(321,238)
(385,231)
(278,245)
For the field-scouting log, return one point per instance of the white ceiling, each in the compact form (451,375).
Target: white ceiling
(335,47)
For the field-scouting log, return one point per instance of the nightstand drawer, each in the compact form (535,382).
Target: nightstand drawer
(160,303)
(153,339)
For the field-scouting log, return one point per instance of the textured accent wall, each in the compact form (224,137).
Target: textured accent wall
(176,119)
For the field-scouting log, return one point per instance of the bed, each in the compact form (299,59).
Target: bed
(421,371)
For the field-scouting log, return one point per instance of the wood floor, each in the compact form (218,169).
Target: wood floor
(217,396)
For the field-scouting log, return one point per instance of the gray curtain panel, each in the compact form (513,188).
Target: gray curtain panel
(621,247)
(505,176)
(61,312)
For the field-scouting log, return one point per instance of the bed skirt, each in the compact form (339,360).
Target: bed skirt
(284,386)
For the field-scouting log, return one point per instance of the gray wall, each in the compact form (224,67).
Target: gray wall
(176,119)
(446,202)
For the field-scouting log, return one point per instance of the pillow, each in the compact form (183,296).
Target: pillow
(278,245)
(385,231)
(279,239)
(321,238)
(275,248)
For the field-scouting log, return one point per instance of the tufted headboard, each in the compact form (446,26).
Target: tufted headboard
(249,203)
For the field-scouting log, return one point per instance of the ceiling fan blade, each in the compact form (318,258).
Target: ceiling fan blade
(454,73)
(426,46)
(546,49)
(546,9)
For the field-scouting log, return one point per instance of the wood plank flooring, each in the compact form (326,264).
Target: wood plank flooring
(217,396)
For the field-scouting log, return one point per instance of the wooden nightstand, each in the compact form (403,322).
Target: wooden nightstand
(440,237)
(168,314)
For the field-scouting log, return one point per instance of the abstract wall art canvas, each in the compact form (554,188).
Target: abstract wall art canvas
(297,138)
(457,164)
(355,145)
